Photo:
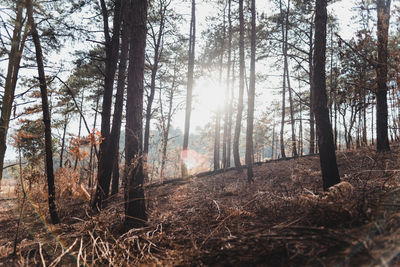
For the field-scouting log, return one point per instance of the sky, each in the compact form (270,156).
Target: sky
(208,93)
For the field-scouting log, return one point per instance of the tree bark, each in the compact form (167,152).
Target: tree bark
(63,141)
(112,44)
(312,117)
(15,55)
(106,162)
(330,173)
(382,140)
(46,116)
(226,135)
(115,173)
(154,69)
(135,207)
(251,96)
(192,46)
(238,125)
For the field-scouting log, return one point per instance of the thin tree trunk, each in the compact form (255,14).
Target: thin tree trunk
(286,67)
(63,141)
(383,11)
(251,96)
(79,132)
(46,116)
(135,207)
(15,55)
(230,119)
(312,117)
(154,69)
(190,81)
(227,97)
(330,173)
(112,44)
(106,161)
(236,155)
(91,165)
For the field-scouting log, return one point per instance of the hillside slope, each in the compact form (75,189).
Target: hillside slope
(282,219)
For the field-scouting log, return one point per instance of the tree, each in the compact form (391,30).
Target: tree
(112,44)
(226,142)
(192,45)
(158,15)
(251,96)
(111,150)
(330,173)
(236,155)
(14,58)
(383,12)
(135,207)
(46,115)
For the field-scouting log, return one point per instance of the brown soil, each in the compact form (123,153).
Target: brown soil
(282,219)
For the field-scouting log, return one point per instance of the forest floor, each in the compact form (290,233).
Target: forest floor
(281,219)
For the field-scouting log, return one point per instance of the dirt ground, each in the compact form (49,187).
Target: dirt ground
(281,219)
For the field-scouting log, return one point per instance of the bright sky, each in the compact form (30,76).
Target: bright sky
(208,93)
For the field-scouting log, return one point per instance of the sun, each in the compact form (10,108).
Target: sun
(210,95)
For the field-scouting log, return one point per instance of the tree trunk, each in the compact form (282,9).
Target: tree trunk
(135,207)
(79,132)
(383,11)
(46,116)
(227,97)
(154,69)
(192,45)
(15,55)
(106,161)
(236,155)
(286,67)
(312,117)
(63,141)
(115,173)
(91,165)
(330,173)
(112,44)
(282,132)
(251,96)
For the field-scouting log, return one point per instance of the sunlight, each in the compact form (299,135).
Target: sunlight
(210,95)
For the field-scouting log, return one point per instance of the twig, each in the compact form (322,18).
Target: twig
(41,255)
(219,211)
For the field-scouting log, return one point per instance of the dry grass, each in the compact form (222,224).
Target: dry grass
(281,219)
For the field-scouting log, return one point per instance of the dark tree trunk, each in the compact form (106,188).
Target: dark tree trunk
(46,116)
(135,207)
(15,55)
(154,69)
(92,146)
(382,140)
(115,173)
(312,117)
(286,67)
(251,96)
(79,132)
(112,44)
(63,141)
(238,125)
(282,132)
(330,173)
(192,45)
(106,162)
